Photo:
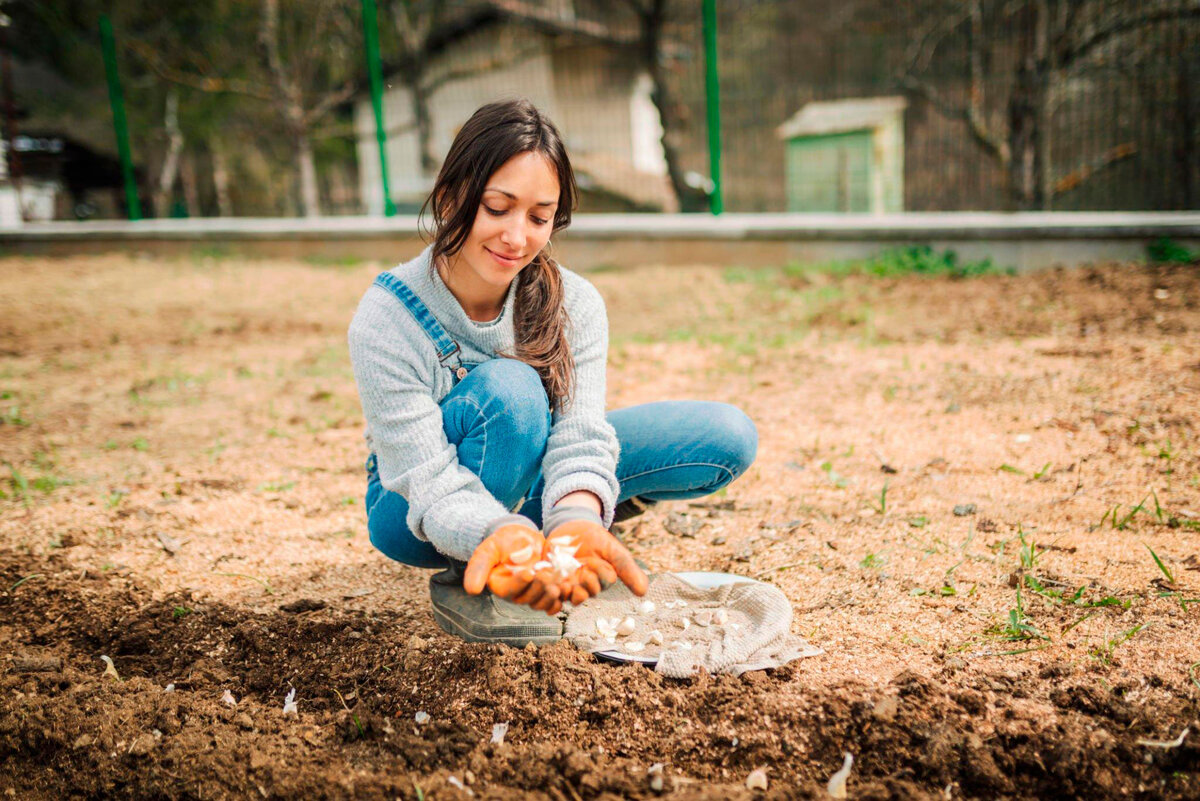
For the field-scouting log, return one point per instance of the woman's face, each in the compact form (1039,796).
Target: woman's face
(513,222)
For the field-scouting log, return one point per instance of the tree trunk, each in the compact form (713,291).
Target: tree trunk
(191,192)
(310,200)
(170,167)
(220,178)
(424,121)
(1028,114)
(688,198)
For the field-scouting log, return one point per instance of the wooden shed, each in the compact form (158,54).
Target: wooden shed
(845,155)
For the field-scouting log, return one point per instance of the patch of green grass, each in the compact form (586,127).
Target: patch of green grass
(49,483)
(919,521)
(872,561)
(882,507)
(276,486)
(180,611)
(1008,468)
(1162,567)
(1017,626)
(916,260)
(319,260)
(113,499)
(1121,522)
(834,477)
(1168,251)
(1042,473)
(12,416)
(140,444)
(1104,653)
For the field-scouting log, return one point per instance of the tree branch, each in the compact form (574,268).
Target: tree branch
(330,102)
(992,144)
(213,84)
(466,72)
(1079,175)
(1117,25)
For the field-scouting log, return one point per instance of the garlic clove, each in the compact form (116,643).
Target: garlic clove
(522,555)
(684,623)
(646,608)
(656,637)
(627,627)
(720,617)
(704,617)
(633,647)
(757,780)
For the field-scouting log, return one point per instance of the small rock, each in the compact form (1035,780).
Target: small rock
(964,509)
(37,664)
(655,774)
(679,524)
(757,780)
(144,744)
(421,718)
(885,711)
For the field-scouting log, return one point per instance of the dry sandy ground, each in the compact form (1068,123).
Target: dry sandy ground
(959,486)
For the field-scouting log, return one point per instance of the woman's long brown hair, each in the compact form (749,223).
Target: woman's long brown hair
(494,134)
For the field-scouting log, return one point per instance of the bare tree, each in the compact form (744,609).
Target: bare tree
(1055,38)
(308,86)
(307,62)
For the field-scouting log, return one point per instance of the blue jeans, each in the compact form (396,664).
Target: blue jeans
(499,420)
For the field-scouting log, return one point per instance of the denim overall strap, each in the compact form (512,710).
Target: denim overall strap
(447,349)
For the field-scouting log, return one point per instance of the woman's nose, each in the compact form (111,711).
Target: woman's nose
(514,235)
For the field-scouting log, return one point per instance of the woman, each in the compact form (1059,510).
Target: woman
(481,369)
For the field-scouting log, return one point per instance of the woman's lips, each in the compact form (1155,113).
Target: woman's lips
(505,260)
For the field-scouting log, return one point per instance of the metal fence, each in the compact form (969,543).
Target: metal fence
(823,105)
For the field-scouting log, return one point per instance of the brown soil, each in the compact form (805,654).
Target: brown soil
(183,468)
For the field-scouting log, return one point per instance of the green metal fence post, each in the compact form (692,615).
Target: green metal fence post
(371,34)
(712,95)
(118,112)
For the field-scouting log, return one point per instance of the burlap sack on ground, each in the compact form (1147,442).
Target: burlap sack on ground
(756,634)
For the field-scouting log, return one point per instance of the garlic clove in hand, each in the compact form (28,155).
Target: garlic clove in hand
(627,627)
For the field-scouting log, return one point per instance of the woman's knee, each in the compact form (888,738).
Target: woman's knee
(734,437)
(514,394)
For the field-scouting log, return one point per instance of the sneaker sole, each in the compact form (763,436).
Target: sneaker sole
(516,634)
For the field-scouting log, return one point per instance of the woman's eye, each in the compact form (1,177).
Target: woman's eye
(502,212)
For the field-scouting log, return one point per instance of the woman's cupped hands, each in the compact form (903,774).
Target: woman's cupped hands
(573,561)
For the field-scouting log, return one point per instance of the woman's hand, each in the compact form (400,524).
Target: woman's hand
(504,563)
(602,557)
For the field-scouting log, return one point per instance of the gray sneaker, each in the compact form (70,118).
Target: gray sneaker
(486,618)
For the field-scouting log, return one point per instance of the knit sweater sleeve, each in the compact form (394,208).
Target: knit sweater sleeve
(582,451)
(447,504)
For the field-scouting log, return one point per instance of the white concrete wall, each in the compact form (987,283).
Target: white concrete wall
(510,62)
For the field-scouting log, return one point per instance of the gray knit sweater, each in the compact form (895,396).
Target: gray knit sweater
(401,384)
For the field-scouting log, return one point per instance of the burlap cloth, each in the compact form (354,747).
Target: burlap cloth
(756,633)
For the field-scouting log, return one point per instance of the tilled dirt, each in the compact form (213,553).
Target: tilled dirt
(184,496)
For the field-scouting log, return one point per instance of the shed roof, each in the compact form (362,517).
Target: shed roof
(840,116)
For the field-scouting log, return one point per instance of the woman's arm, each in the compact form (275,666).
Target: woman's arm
(582,498)
(448,504)
(581,453)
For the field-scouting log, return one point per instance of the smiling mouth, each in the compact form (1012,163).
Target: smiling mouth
(502,256)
